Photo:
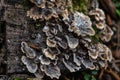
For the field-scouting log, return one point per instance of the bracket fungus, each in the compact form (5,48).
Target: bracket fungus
(72,42)
(32,67)
(27,50)
(71,66)
(81,25)
(50,42)
(49,54)
(65,41)
(106,34)
(34,13)
(47,9)
(52,71)
(99,18)
(44,60)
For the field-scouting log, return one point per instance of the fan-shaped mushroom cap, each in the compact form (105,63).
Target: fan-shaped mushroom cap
(88,64)
(50,42)
(72,42)
(100,25)
(34,13)
(81,25)
(71,66)
(32,67)
(104,52)
(44,60)
(106,34)
(93,54)
(98,14)
(99,17)
(46,29)
(62,44)
(76,59)
(51,53)
(52,71)
(93,51)
(30,53)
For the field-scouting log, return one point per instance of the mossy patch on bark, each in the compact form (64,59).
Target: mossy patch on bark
(80,5)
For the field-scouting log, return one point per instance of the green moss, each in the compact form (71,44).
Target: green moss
(117,5)
(17,78)
(90,75)
(80,5)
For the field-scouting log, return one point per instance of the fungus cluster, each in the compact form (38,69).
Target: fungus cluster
(98,18)
(47,9)
(65,44)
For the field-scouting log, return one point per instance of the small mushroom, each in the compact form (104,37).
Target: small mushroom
(35,13)
(30,53)
(100,25)
(62,44)
(32,67)
(106,53)
(49,53)
(24,60)
(52,70)
(93,54)
(72,42)
(98,14)
(106,34)
(50,42)
(76,59)
(44,60)
(70,66)
(82,25)
(88,64)
(93,51)
(46,29)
